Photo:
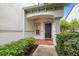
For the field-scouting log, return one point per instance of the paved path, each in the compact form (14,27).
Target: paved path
(43,50)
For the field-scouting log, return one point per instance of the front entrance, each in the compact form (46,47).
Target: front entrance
(48,30)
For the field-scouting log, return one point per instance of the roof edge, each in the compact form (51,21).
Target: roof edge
(70,10)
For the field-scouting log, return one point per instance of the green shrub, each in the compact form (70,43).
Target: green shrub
(71,47)
(68,43)
(16,48)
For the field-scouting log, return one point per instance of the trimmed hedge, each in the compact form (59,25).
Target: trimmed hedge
(16,48)
(71,47)
(67,43)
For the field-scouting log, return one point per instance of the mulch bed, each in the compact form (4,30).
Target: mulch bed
(30,50)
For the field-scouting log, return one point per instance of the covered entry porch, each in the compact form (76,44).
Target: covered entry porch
(43,28)
(42,22)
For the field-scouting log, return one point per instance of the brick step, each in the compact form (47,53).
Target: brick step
(43,42)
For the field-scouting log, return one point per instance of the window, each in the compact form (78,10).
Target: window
(37,26)
(37,32)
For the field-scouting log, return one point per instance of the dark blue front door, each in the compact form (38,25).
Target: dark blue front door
(48,30)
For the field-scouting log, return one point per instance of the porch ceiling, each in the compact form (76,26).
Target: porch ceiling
(41,17)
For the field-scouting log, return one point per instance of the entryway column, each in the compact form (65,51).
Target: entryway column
(54,33)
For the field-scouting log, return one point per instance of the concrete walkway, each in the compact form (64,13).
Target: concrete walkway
(45,50)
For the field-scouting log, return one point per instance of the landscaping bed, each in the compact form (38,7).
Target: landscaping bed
(67,44)
(22,47)
(30,50)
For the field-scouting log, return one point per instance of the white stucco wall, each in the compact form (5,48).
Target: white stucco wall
(55,30)
(29,28)
(57,21)
(11,16)
(74,13)
(6,37)
(11,19)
